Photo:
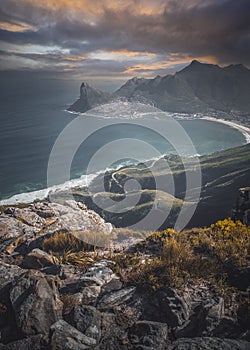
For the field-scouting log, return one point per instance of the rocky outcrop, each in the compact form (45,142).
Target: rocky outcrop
(89,98)
(210,344)
(45,304)
(116,298)
(38,259)
(87,319)
(149,334)
(105,314)
(36,303)
(65,337)
(24,229)
(35,342)
(166,306)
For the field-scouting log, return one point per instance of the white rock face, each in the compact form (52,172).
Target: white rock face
(75,216)
(22,224)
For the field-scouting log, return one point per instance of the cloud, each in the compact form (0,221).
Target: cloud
(138,36)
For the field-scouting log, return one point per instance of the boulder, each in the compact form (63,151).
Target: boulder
(88,283)
(114,336)
(151,334)
(35,342)
(74,216)
(165,306)
(87,319)
(27,216)
(111,286)
(36,303)
(63,336)
(13,232)
(229,328)
(90,295)
(100,271)
(116,298)
(207,343)
(9,228)
(204,318)
(46,219)
(38,259)
(7,275)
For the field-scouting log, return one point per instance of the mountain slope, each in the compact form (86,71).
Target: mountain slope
(223,173)
(197,88)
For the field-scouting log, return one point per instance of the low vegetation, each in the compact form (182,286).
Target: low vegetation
(171,258)
(166,257)
(62,242)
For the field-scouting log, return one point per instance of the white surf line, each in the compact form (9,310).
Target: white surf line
(42,194)
(243,129)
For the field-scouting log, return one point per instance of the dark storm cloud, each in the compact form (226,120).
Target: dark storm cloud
(194,28)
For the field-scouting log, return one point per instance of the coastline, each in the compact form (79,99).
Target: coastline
(84,180)
(242,128)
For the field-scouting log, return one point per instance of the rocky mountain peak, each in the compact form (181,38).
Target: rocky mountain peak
(195,89)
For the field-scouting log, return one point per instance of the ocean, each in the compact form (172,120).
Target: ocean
(33,116)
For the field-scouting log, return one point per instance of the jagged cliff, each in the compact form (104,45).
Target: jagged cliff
(196,88)
(89,98)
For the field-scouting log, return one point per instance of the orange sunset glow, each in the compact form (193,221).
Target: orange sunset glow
(121,39)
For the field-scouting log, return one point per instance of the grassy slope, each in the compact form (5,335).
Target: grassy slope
(223,173)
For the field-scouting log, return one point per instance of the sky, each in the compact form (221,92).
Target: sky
(119,39)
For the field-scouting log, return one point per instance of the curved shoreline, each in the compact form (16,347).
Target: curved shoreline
(84,180)
(242,128)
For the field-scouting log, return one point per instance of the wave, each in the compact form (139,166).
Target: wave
(82,181)
(29,197)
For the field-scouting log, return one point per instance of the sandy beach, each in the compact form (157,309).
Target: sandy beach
(243,129)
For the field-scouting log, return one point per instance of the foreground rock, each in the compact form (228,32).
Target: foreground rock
(32,343)
(8,273)
(149,334)
(87,319)
(38,259)
(116,298)
(166,306)
(65,337)
(36,303)
(46,305)
(24,229)
(210,344)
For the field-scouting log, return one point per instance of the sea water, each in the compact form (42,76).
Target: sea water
(33,114)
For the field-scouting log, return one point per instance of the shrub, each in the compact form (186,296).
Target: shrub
(230,242)
(209,253)
(61,242)
(82,259)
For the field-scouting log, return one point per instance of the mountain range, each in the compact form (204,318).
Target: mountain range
(197,88)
